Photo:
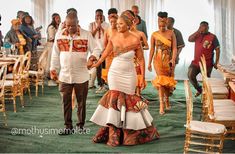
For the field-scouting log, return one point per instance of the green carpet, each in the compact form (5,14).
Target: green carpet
(45,112)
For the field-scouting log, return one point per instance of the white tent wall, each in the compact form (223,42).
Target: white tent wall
(187,13)
(224,15)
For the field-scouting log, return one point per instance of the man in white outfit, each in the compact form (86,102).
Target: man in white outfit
(69,54)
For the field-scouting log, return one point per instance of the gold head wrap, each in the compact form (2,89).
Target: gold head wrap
(128,17)
(15,22)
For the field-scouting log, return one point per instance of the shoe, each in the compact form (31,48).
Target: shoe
(66,131)
(161,112)
(102,135)
(51,83)
(171,91)
(197,94)
(92,87)
(101,90)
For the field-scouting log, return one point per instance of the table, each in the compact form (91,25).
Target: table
(232,90)
(7,60)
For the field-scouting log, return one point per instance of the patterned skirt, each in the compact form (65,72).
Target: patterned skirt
(125,120)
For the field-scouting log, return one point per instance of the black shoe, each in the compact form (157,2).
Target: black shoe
(80,128)
(66,131)
(197,94)
(93,87)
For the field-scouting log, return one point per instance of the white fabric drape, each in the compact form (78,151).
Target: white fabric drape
(219,14)
(41,13)
(188,17)
(224,11)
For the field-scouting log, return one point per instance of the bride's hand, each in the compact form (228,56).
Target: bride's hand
(94,65)
(142,83)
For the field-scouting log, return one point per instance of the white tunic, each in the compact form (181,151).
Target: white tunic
(72,61)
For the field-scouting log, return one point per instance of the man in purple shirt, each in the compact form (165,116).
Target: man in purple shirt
(205,44)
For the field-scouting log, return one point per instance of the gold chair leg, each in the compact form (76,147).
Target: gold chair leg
(30,97)
(42,87)
(5,118)
(186,144)
(4,111)
(14,104)
(221,143)
(22,100)
(36,89)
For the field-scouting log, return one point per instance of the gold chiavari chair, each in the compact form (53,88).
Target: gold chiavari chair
(25,81)
(220,111)
(218,86)
(202,137)
(218,103)
(37,77)
(13,87)
(3,71)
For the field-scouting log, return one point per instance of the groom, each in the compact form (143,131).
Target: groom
(69,54)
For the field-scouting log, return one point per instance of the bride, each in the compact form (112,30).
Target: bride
(124,116)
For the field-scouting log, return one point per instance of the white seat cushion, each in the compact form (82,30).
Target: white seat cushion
(215,82)
(219,90)
(207,127)
(9,76)
(8,83)
(223,102)
(224,108)
(33,72)
(228,115)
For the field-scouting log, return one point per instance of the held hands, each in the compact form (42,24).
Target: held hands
(53,75)
(92,62)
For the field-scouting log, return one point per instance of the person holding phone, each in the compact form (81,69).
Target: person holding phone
(164,51)
(205,44)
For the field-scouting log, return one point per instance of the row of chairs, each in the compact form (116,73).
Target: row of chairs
(14,84)
(218,117)
(217,110)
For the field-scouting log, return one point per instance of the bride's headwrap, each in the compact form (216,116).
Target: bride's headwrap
(128,16)
(162,17)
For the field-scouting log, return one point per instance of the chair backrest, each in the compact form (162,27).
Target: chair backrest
(3,72)
(203,61)
(207,88)
(17,69)
(209,100)
(189,101)
(203,68)
(26,61)
(42,62)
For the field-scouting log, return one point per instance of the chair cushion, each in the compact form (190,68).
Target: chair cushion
(9,76)
(8,83)
(211,80)
(224,108)
(221,115)
(223,102)
(33,72)
(215,82)
(219,90)
(207,127)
